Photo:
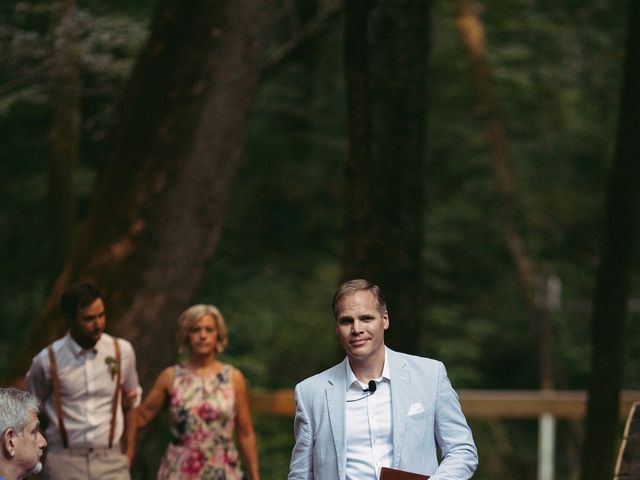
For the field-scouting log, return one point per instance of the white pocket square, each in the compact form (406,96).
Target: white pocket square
(415,409)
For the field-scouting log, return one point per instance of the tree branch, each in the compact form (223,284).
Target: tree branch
(309,32)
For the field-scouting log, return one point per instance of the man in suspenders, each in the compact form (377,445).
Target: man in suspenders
(87,383)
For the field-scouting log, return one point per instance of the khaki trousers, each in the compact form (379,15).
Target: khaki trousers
(86,464)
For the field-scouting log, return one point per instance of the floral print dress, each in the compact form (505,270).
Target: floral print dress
(202,425)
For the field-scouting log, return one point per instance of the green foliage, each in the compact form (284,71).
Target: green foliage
(275,441)
(557,73)
(107,43)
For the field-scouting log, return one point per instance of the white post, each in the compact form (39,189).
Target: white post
(546,446)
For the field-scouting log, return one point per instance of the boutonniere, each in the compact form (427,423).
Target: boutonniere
(112,366)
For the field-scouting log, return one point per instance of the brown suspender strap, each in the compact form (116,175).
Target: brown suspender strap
(116,394)
(55,381)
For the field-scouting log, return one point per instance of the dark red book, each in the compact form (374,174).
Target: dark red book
(393,474)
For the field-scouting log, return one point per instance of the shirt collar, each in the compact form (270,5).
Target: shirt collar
(77,350)
(386,374)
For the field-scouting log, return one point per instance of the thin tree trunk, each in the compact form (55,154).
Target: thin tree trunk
(386,53)
(613,280)
(65,133)
(472,34)
(159,205)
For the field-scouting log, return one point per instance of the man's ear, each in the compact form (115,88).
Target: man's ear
(9,441)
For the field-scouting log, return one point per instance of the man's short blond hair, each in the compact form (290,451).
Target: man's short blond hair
(358,285)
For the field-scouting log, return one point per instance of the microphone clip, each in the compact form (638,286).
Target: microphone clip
(373,386)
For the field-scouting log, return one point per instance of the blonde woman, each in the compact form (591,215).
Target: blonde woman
(208,405)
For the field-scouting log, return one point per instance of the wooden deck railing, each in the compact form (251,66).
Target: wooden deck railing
(568,404)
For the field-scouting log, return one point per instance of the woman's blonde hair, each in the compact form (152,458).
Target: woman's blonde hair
(191,316)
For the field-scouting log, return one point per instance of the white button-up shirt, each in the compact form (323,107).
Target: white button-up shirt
(87,384)
(369,440)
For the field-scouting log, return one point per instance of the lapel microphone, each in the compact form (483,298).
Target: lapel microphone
(371,390)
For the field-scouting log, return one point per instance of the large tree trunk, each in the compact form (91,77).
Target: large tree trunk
(385,66)
(65,133)
(161,198)
(613,280)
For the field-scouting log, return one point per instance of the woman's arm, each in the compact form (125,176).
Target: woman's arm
(244,426)
(154,402)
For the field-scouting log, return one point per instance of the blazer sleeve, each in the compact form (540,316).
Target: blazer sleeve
(453,435)
(301,467)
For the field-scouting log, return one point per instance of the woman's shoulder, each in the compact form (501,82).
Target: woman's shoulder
(167,376)
(236,376)
(231,370)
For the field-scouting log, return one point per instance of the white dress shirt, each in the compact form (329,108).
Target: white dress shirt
(369,442)
(87,385)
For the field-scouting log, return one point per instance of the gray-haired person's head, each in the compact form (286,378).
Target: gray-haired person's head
(15,406)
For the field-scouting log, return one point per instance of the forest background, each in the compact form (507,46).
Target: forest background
(229,173)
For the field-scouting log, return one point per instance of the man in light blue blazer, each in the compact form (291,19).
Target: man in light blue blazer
(377,408)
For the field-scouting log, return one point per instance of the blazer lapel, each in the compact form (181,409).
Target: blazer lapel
(400,386)
(336,397)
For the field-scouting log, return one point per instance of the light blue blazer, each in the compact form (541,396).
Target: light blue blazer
(426,416)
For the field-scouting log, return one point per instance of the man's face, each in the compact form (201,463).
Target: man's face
(360,325)
(89,324)
(29,445)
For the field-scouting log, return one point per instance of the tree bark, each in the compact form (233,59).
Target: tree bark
(613,279)
(160,201)
(386,50)
(65,133)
